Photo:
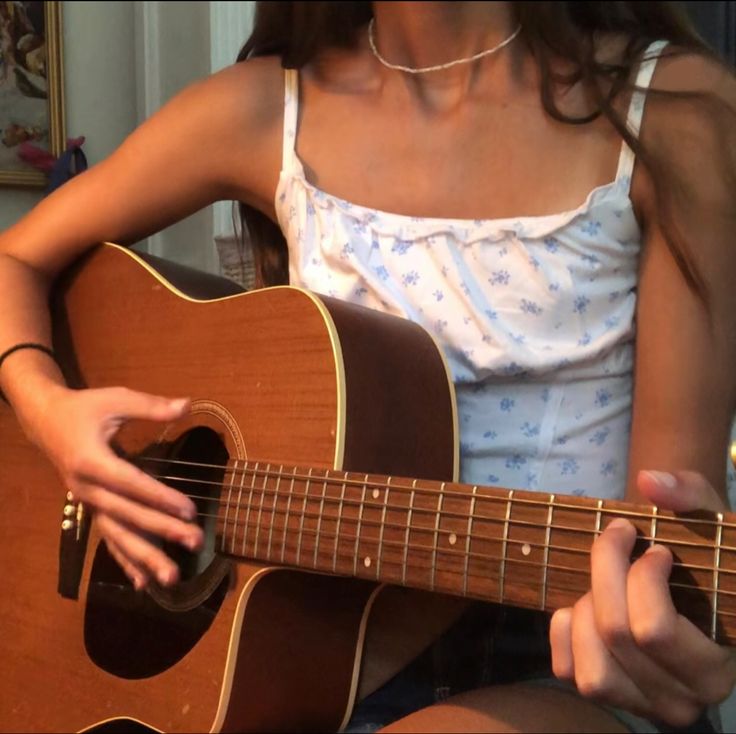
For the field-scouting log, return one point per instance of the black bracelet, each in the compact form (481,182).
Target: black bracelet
(27,345)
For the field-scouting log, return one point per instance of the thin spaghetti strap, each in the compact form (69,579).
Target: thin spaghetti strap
(291,110)
(636,111)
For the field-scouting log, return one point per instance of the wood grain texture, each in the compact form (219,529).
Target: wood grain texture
(528,549)
(269,360)
(310,399)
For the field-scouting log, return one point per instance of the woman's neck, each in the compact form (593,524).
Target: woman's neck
(421,34)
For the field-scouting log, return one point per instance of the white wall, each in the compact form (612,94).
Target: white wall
(122,61)
(172,42)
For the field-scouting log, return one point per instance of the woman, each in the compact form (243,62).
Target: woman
(397,163)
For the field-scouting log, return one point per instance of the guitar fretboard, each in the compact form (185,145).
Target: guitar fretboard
(517,547)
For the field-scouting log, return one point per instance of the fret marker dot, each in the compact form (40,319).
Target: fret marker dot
(367,561)
(453,538)
(526,549)
(376,494)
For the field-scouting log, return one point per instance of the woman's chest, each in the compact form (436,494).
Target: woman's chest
(484,162)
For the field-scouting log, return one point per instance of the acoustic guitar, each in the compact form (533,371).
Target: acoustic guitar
(321,453)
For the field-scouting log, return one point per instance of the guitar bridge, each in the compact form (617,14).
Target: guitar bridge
(72,547)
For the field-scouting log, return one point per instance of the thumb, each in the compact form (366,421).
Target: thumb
(680,491)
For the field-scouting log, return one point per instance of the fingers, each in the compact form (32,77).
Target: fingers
(139,558)
(703,667)
(128,503)
(624,643)
(133,405)
(598,675)
(605,643)
(145,518)
(610,575)
(84,454)
(579,655)
(682,491)
(560,638)
(107,470)
(138,576)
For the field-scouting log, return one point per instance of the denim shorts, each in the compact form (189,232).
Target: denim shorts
(489,645)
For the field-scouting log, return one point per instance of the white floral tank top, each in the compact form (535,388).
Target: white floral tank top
(534,314)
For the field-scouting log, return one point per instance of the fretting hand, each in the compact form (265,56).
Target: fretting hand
(624,643)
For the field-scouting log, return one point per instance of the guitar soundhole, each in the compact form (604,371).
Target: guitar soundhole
(141,634)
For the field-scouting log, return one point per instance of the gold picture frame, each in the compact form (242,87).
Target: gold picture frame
(31,87)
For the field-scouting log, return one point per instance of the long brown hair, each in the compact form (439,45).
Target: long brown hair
(298,31)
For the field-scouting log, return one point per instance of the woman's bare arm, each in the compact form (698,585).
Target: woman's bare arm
(685,375)
(211,142)
(218,139)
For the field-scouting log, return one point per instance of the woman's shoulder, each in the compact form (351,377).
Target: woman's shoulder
(252,90)
(689,130)
(692,72)
(237,115)
(691,108)
(242,101)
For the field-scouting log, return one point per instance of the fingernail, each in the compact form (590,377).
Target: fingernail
(165,576)
(618,523)
(656,548)
(179,404)
(188,513)
(192,543)
(663,478)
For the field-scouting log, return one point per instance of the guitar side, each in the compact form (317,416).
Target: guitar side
(278,375)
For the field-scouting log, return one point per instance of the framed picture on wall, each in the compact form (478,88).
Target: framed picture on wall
(31,87)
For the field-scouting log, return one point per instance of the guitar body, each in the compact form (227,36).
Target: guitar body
(278,376)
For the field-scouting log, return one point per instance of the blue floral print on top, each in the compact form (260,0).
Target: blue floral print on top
(534,314)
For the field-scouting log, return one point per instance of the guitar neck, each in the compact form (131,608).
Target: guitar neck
(513,547)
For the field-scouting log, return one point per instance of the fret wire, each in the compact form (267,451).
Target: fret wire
(716,577)
(408,530)
(624,514)
(227,509)
(360,522)
(653,527)
(340,508)
(321,512)
(436,536)
(566,528)
(247,512)
(545,563)
(301,519)
(563,548)
(582,573)
(383,527)
(273,512)
(460,494)
(238,507)
(260,514)
(504,546)
(568,569)
(467,540)
(598,518)
(287,514)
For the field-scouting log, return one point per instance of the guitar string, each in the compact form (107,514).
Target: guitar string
(444,514)
(315,479)
(398,545)
(460,516)
(459,535)
(265,491)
